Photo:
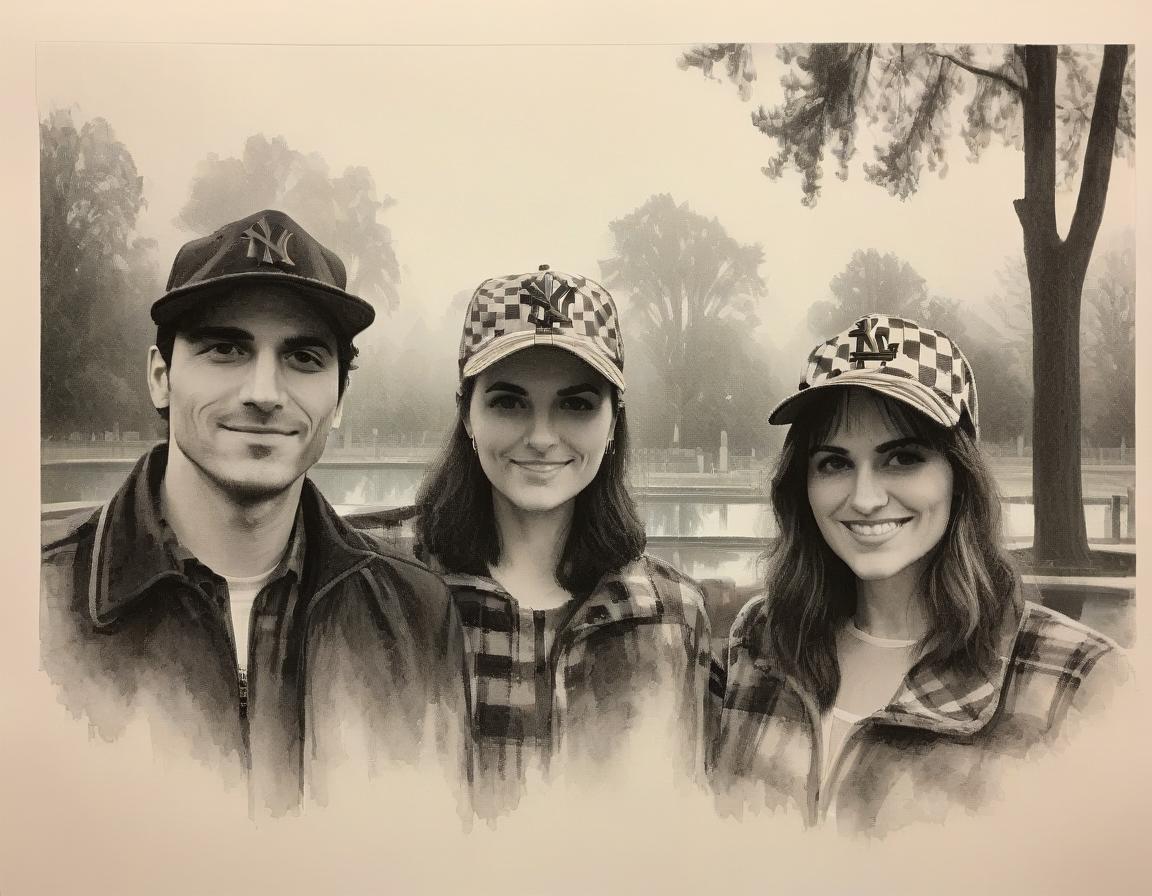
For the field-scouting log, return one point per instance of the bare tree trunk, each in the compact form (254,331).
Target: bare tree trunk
(1056,271)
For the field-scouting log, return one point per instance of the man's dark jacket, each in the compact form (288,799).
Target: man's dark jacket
(357,652)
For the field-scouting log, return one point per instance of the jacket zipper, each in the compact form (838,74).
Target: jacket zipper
(241,678)
(814,794)
(302,662)
(826,794)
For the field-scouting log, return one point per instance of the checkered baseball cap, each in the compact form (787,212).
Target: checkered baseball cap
(265,247)
(897,358)
(518,311)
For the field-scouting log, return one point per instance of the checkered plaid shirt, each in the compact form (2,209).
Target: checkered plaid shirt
(634,651)
(942,740)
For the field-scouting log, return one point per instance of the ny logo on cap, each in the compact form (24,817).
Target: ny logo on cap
(545,299)
(261,233)
(870,346)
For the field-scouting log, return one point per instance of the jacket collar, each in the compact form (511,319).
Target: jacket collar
(949,701)
(628,594)
(943,700)
(134,547)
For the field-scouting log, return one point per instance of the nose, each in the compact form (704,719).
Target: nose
(868,492)
(542,435)
(263,389)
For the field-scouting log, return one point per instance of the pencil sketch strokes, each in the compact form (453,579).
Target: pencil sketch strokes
(857,586)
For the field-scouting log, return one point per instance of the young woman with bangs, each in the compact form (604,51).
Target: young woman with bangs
(892,669)
(583,647)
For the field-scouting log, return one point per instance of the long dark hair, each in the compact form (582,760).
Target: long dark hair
(455,522)
(969,583)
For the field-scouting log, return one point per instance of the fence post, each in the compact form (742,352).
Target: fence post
(1116,499)
(1132,512)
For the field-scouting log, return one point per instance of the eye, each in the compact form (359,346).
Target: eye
(507,402)
(905,458)
(223,351)
(577,403)
(303,359)
(828,464)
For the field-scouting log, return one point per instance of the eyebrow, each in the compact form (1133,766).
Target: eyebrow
(576,390)
(900,443)
(235,334)
(880,449)
(506,387)
(292,343)
(563,393)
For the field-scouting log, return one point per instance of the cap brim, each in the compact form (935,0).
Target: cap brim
(910,392)
(349,313)
(503,346)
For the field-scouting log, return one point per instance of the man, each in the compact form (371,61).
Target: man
(217,594)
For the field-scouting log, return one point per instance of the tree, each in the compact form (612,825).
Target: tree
(1107,343)
(692,298)
(870,282)
(97,280)
(908,91)
(341,211)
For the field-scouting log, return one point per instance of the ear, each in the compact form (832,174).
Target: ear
(464,411)
(339,415)
(157,378)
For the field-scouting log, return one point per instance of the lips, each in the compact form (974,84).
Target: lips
(874,529)
(540,466)
(253,430)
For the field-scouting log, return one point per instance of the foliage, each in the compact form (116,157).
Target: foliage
(870,282)
(1107,350)
(906,91)
(341,211)
(1065,125)
(97,280)
(1110,350)
(692,298)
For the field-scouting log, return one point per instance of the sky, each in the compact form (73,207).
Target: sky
(504,157)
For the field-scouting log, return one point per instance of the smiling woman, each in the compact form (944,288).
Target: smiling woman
(893,652)
(582,647)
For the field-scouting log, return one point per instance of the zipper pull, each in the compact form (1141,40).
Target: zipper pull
(242,678)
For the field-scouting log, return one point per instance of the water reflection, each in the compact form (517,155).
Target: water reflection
(707,520)
(731,574)
(354,484)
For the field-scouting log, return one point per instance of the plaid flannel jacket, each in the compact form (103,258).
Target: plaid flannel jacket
(942,741)
(634,653)
(357,662)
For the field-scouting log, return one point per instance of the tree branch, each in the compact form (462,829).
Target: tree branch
(1098,155)
(982,72)
(1037,210)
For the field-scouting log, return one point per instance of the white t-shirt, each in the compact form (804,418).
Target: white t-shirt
(871,671)
(242,593)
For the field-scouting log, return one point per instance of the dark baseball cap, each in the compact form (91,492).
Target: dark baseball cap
(267,247)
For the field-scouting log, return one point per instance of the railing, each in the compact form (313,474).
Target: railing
(661,460)
(1119,515)
(1093,456)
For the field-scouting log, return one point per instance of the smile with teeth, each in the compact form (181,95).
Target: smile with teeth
(541,466)
(879,527)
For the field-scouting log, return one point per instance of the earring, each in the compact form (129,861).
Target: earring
(609,448)
(474,448)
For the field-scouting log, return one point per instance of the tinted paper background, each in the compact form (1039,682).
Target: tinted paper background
(81,819)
